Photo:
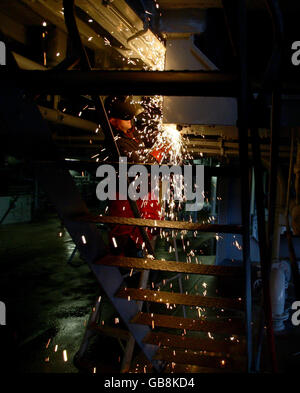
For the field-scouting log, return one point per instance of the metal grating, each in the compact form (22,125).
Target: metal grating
(142,222)
(235,326)
(192,369)
(195,358)
(195,343)
(179,298)
(171,266)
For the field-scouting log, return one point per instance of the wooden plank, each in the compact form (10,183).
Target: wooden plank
(234,326)
(213,346)
(179,298)
(142,222)
(170,266)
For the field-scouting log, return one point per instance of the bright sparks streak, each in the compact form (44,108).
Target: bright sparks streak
(237,245)
(115,242)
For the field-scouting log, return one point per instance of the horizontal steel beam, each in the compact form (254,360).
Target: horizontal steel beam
(169,83)
(182,83)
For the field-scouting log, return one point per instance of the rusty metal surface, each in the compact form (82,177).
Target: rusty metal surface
(195,358)
(215,347)
(179,298)
(235,326)
(171,266)
(142,222)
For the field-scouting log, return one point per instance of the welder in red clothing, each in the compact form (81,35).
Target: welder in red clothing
(121,112)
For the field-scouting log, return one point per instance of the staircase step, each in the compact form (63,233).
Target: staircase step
(217,347)
(195,358)
(142,222)
(111,331)
(170,266)
(192,369)
(179,298)
(233,326)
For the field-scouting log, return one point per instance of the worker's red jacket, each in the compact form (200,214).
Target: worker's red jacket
(129,146)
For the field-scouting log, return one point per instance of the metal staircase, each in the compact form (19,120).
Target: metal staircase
(178,349)
(127,301)
(163,350)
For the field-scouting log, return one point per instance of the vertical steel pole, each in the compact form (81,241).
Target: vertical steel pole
(244,163)
(275,127)
(293,258)
(263,250)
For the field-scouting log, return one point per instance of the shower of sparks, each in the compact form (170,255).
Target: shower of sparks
(65,355)
(114,242)
(106,42)
(169,139)
(237,245)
